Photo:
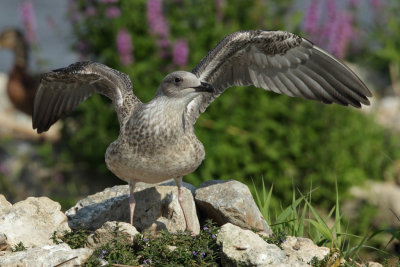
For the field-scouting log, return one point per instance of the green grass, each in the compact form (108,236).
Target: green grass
(301,219)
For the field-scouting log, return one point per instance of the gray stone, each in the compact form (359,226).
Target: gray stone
(106,233)
(245,248)
(32,222)
(230,201)
(157,208)
(302,249)
(46,256)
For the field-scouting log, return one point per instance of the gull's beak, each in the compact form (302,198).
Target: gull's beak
(204,87)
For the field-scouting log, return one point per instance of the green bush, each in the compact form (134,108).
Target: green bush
(248,133)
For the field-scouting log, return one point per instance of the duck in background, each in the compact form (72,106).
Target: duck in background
(21,84)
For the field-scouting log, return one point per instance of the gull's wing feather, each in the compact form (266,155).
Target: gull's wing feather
(278,61)
(61,90)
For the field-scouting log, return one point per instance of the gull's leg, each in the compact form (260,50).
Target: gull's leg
(132,201)
(178,182)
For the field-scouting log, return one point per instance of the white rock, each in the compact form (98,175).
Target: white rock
(245,248)
(302,249)
(46,256)
(4,204)
(32,222)
(106,233)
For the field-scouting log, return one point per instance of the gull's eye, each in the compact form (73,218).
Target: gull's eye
(178,80)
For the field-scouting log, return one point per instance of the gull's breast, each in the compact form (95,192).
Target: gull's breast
(156,160)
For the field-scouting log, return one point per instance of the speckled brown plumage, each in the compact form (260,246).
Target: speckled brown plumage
(157,140)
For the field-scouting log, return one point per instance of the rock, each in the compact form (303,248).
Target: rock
(93,211)
(4,204)
(384,195)
(157,208)
(32,222)
(298,248)
(106,233)
(230,201)
(46,256)
(245,248)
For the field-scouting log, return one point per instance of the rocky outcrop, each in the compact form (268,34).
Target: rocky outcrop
(54,255)
(157,208)
(227,202)
(230,201)
(32,221)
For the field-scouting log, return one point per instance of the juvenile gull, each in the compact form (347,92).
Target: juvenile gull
(157,140)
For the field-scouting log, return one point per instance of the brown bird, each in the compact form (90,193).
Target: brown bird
(21,85)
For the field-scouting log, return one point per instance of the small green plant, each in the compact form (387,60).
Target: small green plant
(19,247)
(168,249)
(75,239)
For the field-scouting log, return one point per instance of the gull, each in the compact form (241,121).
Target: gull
(157,140)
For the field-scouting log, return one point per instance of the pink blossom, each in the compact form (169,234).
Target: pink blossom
(124,47)
(90,11)
(27,13)
(341,35)
(376,4)
(180,53)
(312,18)
(157,22)
(113,12)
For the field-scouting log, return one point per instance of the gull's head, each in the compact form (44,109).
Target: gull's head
(183,84)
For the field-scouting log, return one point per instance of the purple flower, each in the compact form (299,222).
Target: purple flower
(180,53)
(145,239)
(341,35)
(312,18)
(202,254)
(124,47)
(104,251)
(90,11)
(376,4)
(213,236)
(194,253)
(157,22)
(113,12)
(205,228)
(101,256)
(27,13)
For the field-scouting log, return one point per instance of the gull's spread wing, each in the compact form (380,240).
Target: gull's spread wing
(277,61)
(60,91)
